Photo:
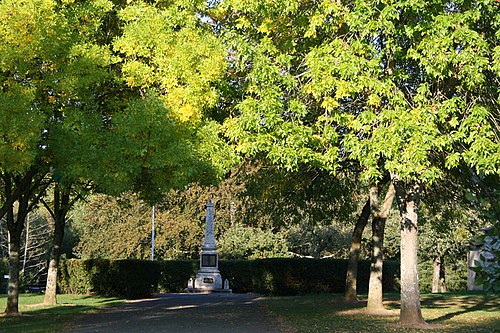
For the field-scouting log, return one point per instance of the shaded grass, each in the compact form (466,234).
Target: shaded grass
(457,313)
(36,318)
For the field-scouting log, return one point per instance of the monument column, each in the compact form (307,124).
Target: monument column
(208,277)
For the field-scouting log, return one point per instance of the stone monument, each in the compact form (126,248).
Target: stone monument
(208,277)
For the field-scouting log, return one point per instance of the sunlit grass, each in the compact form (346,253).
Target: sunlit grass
(36,318)
(444,313)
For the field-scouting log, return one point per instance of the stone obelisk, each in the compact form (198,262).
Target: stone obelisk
(208,277)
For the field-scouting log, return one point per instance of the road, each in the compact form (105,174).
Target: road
(183,313)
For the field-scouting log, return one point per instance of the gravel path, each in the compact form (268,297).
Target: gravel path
(182,313)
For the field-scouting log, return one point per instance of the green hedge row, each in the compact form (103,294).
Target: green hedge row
(135,279)
(300,276)
(4,270)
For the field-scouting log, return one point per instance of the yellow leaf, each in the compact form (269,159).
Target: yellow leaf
(329,103)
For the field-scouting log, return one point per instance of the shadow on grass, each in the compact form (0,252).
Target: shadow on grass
(450,313)
(462,304)
(43,319)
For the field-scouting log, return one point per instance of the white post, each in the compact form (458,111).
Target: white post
(153,233)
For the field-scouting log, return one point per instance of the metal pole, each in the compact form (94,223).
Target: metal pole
(153,234)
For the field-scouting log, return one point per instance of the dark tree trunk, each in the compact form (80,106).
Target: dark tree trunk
(26,191)
(352,268)
(59,212)
(379,213)
(408,199)
(442,277)
(15,225)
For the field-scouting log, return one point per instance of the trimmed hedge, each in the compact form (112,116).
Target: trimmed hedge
(283,276)
(125,278)
(4,270)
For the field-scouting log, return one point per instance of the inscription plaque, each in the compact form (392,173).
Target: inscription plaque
(209,260)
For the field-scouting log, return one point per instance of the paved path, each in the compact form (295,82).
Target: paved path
(182,313)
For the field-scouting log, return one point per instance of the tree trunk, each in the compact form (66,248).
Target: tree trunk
(14,256)
(411,312)
(375,294)
(352,268)
(26,191)
(15,225)
(436,275)
(61,206)
(442,277)
(50,297)
(374,303)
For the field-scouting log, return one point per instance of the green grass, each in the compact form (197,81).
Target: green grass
(454,313)
(36,318)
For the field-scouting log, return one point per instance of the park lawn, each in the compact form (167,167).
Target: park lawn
(36,318)
(455,313)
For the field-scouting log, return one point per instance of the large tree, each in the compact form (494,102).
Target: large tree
(41,60)
(408,88)
(77,110)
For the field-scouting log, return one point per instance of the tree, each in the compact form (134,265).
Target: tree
(71,119)
(63,201)
(398,87)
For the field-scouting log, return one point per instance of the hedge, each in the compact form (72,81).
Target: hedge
(136,279)
(4,270)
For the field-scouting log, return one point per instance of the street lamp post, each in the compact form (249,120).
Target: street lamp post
(153,234)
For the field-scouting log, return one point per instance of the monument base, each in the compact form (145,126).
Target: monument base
(204,291)
(208,282)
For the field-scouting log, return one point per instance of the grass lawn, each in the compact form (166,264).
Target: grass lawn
(38,318)
(444,312)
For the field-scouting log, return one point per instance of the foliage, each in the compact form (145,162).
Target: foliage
(241,242)
(263,202)
(455,274)
(488,268)
(319,241)
(323,75)
(118,228)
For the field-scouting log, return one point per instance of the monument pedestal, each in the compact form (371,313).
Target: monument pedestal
(208,277)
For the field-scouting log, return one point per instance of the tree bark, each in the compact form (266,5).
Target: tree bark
(61,206)
(408,199)
(379,213)
(26,191)
(442,277)
(14,261)
(436,274)
(15,225)
(352,267)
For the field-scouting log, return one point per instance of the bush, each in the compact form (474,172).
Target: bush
(283,276)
